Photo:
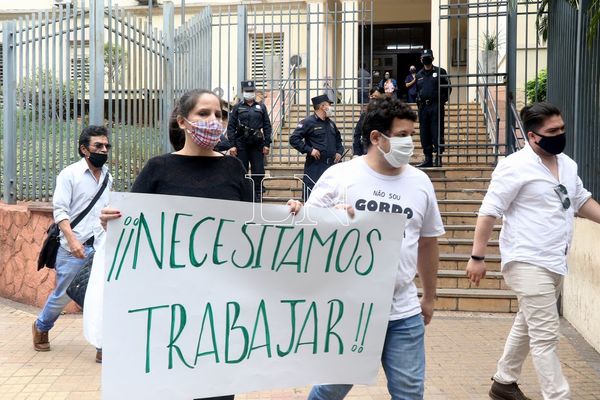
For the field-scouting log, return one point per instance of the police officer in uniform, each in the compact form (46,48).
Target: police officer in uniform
(321,141)
(431,98)
(249,131)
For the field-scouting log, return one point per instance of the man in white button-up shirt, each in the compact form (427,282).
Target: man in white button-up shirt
(537,192)
(76,186)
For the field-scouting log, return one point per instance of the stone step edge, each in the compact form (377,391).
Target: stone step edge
(466,257)
(446,190)
(463,241)
(466,227)
(455,273)
(473,293)
(451,169)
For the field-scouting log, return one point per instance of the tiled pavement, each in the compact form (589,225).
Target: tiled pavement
(461,353)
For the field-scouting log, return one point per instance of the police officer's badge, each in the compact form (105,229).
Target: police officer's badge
(257,107)
(435,75)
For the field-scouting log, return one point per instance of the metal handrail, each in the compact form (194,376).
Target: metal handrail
(488,116)
(282,111)
(519,142)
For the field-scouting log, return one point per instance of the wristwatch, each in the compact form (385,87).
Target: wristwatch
(478,258)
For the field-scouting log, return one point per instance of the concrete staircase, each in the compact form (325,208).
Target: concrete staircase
(460,186)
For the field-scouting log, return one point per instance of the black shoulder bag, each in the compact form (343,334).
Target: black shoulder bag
(47,257)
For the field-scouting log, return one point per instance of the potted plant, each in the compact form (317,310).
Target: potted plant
(488,57)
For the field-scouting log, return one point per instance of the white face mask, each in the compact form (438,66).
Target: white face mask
(249,95)
(401,149)
(329,112)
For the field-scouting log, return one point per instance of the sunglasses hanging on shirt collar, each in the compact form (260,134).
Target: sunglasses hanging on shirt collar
(563,195)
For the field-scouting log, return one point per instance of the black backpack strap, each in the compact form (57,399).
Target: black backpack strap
(92,203)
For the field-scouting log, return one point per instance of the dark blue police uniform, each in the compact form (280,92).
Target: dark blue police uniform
(249,130)
(432,93)
(321,134)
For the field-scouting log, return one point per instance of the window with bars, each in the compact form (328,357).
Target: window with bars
(1,65)
(80,69)
(267,59)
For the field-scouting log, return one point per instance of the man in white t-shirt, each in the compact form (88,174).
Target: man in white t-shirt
(382,181)
(537,192)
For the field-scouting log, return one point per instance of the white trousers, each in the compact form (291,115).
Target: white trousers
(536,329)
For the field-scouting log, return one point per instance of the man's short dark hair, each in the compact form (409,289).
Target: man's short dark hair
(535,114)
(87,133)
(380,115)
(375,89)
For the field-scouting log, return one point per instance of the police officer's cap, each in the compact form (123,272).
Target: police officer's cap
(320,99)
(248,86)
(427,53)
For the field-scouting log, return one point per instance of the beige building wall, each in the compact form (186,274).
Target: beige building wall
(581,293)
(401,11)
(224,67)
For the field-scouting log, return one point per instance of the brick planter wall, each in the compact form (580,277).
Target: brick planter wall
(22,232)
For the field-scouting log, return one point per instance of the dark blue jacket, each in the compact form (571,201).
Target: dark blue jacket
(316,133)
(254,116)
(427,85)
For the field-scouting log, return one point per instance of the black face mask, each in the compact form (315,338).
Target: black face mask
(98,159)
(427,60)
(552,144)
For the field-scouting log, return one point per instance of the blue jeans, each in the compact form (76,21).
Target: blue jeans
(66,268)
(403,361)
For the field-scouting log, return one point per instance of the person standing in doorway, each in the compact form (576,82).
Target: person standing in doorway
(388,85)
(411,84)
(76,186)
(433,91)
(249,131)
(537,192)
(319,138)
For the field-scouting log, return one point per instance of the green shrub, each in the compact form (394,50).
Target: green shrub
(536,88)
(35,95)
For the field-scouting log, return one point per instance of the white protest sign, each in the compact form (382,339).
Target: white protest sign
(200,303)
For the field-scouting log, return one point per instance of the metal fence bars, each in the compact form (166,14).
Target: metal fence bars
(69,67)
(293,52)
(46,98)
(492,54)
(574,85)
(136,104)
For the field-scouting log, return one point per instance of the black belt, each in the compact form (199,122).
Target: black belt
(89,242)
(323,160)
(428,102)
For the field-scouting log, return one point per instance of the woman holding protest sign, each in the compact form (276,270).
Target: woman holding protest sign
(195,169)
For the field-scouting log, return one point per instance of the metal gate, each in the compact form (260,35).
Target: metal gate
(573,84)
(72,66)
(293,52)
(493,56)
(69,67)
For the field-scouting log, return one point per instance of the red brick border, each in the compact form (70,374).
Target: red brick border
(22,232)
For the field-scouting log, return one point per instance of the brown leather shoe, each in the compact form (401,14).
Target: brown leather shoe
(40,339)
(511,391)
(99,356)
